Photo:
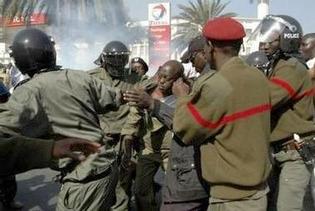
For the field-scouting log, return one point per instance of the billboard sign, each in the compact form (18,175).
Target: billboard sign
(159,34)
(35,19)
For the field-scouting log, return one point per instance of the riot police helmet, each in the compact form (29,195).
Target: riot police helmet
(33,50)
(259,60)
(282,28)
(114,58)
(291,37)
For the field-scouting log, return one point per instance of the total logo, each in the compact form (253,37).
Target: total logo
(158,12)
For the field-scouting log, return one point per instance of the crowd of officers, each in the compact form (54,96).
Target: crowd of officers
(236,138)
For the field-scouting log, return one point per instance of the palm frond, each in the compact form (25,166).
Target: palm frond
(193,16)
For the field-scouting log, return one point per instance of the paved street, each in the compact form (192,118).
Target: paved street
(37,191)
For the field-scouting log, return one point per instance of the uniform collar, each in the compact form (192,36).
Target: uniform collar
(206,69)
(231,63)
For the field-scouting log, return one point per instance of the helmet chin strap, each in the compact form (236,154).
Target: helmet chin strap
(273,60)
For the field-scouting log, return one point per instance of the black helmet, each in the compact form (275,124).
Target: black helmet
(114,58)
(292,35)
(259,60)
(32,51)
(289,30)
(141,61)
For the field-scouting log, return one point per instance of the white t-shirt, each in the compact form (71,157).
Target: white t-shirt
(310,63)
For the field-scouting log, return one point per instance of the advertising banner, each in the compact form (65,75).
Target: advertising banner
(35,19)
(159,34)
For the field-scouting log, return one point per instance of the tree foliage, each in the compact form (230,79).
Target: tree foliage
(193,16)
(111,12)
(76,16)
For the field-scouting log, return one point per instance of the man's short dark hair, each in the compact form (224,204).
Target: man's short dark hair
(229,46)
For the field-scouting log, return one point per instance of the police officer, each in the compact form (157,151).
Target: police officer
(229,116)
(292,107)
(139,66)
(112,72)
(28,153)
(259,60)
(58,103)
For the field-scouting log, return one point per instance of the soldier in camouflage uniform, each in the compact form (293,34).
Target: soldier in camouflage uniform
(58,103)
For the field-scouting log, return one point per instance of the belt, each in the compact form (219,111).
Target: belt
(289,146)
(283,146)
(288,143)
(290,138)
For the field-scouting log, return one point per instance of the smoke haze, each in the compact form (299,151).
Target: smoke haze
(82,30)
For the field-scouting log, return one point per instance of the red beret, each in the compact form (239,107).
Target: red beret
(223,28)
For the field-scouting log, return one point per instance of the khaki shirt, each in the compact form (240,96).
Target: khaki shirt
(292,100)
(141,124)
(157,137)
(63,103)
(59,103)
(113,121)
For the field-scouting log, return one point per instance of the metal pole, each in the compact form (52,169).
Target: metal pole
(209,15)
(58,12)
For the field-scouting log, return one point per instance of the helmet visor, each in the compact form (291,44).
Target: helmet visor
(269,29)
(116,60)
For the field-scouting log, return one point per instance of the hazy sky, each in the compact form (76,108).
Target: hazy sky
(302,10)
